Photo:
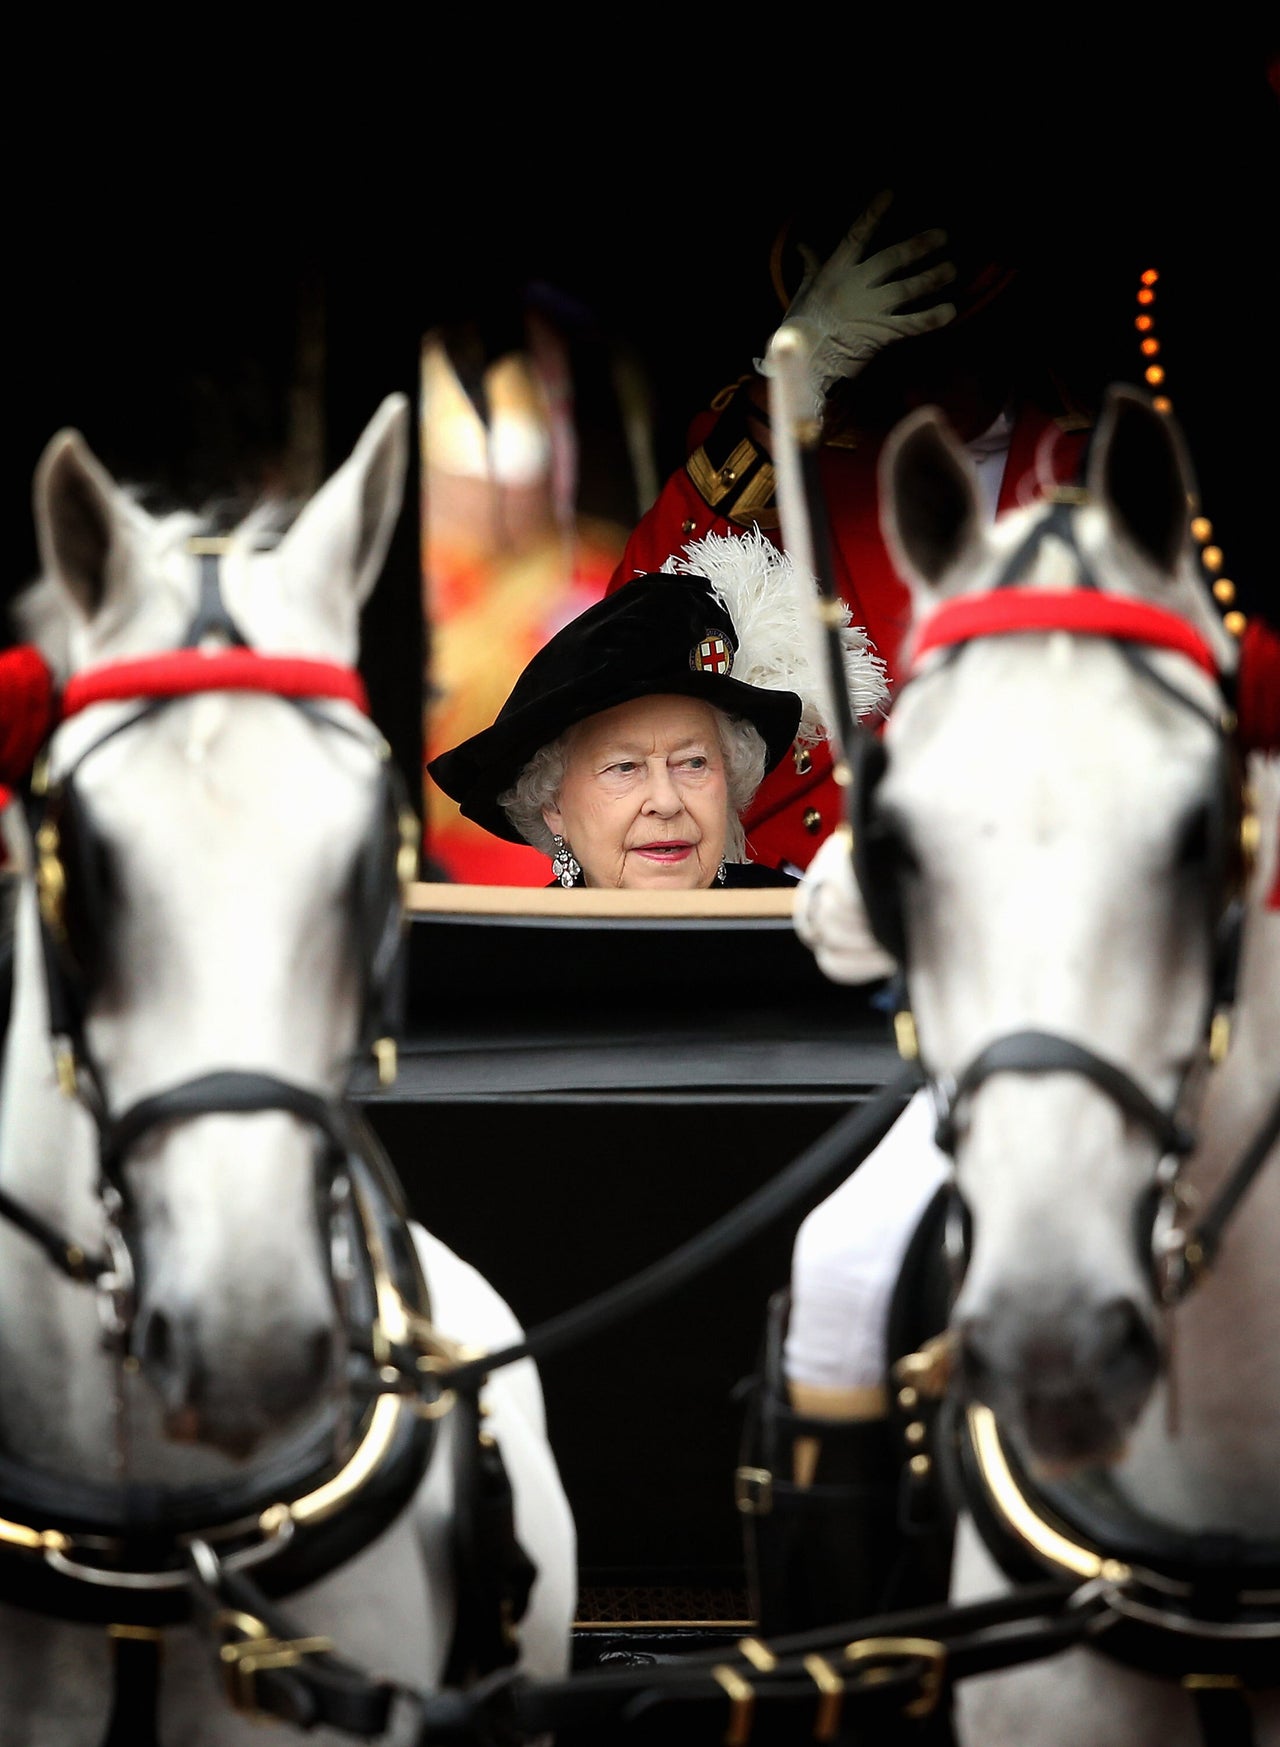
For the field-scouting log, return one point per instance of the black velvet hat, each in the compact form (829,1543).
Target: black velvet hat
(659,633)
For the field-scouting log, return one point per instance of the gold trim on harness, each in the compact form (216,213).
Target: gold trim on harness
(1042,1537)
(883,1653)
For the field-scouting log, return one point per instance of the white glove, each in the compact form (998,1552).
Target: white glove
(829,917)
(850,308)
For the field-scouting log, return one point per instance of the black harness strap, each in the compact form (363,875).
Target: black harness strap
(1044,1052)
(225,1092)
(136,1655)
(885,1667)
(211,618)
(63,1252)
(273,1670)
(1207,1235)
(1222,1711)
(494,1574)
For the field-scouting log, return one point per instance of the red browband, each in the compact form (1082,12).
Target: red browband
(184,672)
(1082,611)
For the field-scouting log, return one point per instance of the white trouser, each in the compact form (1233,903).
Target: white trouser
(848,1252)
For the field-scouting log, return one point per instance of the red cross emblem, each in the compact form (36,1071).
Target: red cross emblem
(713,655)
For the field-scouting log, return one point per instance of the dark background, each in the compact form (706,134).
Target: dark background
(246,229)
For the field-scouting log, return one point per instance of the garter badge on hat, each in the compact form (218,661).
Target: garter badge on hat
(714,654)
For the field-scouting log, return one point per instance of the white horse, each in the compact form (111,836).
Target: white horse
(230,892)
(1047,849)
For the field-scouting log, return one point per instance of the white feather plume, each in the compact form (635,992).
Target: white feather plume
(780,641)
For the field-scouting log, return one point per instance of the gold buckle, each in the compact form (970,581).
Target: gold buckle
(753,1491)
(51,879)
(433,1365)
(884,1653)
(244,1658)
(928,1369)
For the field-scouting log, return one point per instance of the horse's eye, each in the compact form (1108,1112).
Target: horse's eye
(1191,846)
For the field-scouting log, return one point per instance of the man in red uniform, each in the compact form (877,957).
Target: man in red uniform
(896,318)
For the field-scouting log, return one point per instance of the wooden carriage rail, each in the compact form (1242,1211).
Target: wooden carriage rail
(428,898)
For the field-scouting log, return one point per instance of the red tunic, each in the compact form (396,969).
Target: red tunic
(727,487)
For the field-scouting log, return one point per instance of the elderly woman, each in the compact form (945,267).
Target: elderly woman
(635,739)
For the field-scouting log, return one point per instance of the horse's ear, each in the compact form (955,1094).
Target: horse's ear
(76,504)
(1139,467)
(930,503)
(347,526)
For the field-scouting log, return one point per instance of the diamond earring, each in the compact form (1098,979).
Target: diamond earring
(564,864)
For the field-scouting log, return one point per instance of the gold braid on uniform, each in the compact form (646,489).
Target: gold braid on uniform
(730,472)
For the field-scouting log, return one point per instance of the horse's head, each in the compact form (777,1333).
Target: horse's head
(229,859)
(1047,843)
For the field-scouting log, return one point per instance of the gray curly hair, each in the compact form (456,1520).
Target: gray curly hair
(538,784)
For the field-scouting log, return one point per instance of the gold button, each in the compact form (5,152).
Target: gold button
(916,1432)
(803,760)
(728,475)
(688,526)
(812,819)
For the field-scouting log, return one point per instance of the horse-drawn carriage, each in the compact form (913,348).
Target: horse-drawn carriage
(271,1447)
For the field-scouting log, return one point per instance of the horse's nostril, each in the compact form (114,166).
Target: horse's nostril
(975,1362)
(1124,1345)
(166,1349)
(320,1355)
(156,1343)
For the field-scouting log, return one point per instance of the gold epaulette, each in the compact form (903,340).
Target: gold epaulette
(730,472)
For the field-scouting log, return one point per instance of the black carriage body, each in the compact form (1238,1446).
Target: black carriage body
(577,1096)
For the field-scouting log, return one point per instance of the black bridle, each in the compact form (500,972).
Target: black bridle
(212,655)
(122,1552)
(1178,1258)
(1175,1256)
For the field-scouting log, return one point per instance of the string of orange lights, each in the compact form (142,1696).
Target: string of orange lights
(1211,556)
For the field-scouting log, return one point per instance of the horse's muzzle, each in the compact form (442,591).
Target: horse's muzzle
(1068,1382)
(210,1398)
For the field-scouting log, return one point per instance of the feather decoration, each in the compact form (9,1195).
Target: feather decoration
(779,637)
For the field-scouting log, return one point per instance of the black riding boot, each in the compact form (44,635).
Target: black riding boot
(839,1547)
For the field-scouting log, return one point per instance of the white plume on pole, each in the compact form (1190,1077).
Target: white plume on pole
(772,596)
(787,367)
